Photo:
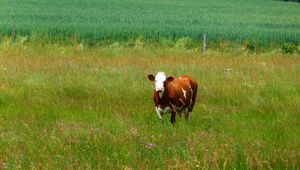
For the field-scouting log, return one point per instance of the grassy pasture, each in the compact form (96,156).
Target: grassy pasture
(69,107)
(258,21)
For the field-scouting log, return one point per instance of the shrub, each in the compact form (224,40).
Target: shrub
(184,42)
(290,0)
(289,48)
(249,46)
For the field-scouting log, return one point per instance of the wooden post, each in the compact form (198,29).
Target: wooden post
(204,42)
(14,35)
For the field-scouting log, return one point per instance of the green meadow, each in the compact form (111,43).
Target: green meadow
(74,92)
(264,22)
(75,107)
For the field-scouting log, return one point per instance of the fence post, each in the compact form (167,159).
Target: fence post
(204,42)
(14,35)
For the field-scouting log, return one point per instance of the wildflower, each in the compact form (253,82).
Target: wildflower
(133,131)
(149,145)
(228,70)
(3,165)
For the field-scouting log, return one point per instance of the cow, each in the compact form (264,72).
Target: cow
(173,95)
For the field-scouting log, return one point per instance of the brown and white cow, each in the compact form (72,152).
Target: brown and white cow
(174,95)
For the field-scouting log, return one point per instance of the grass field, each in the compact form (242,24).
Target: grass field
(259,21)
(74,92)
(71,107)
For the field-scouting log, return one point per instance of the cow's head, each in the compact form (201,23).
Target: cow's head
(160,81)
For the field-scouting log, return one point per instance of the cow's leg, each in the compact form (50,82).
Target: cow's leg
(193,97)
(187,117)
(190,109)
(173,115)
(159,114)
(187,114)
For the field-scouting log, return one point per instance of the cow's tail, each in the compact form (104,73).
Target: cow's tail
(194,89)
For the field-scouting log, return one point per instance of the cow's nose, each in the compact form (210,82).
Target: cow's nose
(159,89)
(160,93)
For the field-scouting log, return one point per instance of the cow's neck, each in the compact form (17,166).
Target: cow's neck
(163,95)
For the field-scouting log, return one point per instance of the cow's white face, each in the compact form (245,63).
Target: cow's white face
(160,78)
(159,81)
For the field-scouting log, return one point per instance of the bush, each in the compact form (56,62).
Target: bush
(184,42)
(249,46)
(289,48)
(290,0)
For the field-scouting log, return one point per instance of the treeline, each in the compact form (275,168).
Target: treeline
(291,1)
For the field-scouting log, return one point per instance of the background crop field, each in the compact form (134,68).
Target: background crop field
(261,21)
(68,107)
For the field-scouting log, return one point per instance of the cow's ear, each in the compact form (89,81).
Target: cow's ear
(151,77)
(169,79)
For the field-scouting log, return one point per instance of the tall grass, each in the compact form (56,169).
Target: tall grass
(258,21)
(88,108)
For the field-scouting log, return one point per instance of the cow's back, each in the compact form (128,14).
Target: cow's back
(190,82)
